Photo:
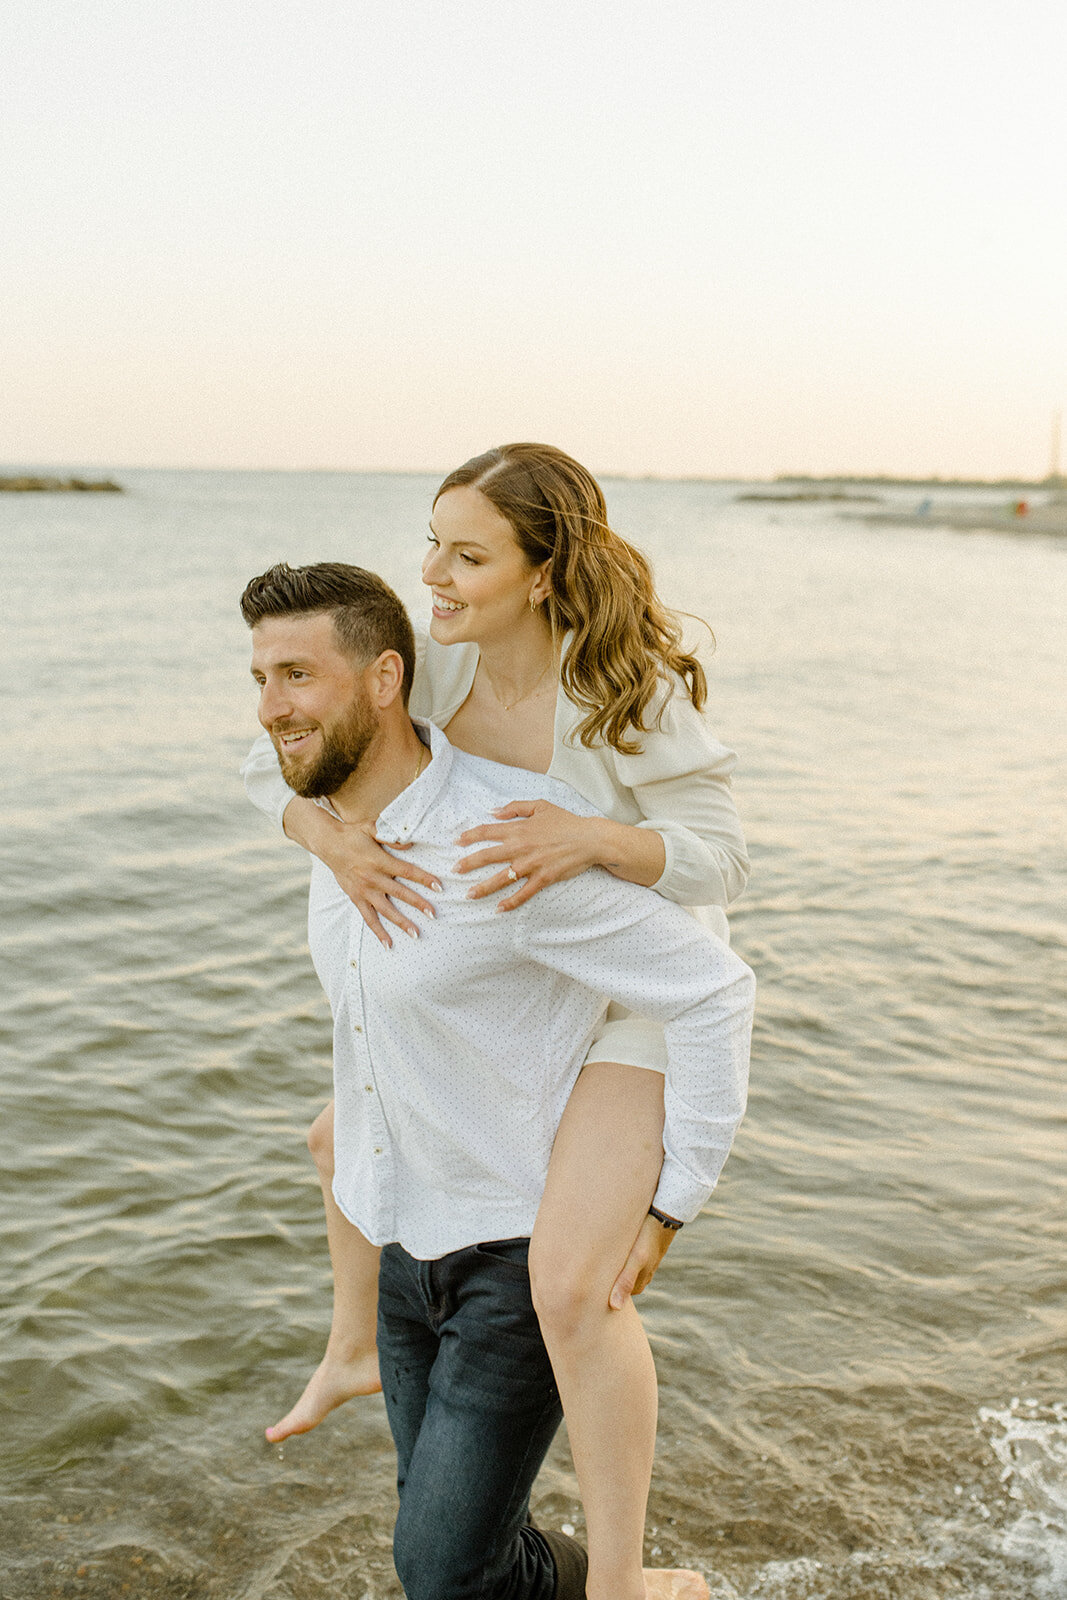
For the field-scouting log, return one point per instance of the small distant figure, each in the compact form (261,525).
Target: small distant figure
(1020,508)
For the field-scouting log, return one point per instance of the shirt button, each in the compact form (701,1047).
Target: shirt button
(369,1088)
(377,1149)
(353,963)
(357,1028)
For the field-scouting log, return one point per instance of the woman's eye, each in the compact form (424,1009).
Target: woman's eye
(470,560)
(431,540)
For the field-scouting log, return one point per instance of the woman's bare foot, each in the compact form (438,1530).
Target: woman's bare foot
(672,1583)
(332,1383)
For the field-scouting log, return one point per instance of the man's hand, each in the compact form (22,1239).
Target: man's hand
(651,1245)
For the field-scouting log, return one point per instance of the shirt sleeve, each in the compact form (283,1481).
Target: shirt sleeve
(624,942)
(264,784)
(681,782)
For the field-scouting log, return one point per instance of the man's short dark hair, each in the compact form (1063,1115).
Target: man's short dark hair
(367,616)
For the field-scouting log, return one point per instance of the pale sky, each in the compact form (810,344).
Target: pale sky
(729,238)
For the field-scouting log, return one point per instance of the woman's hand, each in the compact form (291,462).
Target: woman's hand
(651,1245)
(372,877)
(538,841)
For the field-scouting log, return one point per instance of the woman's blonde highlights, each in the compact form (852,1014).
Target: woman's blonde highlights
(625,642)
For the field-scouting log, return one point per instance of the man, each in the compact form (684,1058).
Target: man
(452,1068)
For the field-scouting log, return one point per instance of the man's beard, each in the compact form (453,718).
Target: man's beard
(342,748)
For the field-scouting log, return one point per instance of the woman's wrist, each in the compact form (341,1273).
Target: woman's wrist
(637,855)
(309,826)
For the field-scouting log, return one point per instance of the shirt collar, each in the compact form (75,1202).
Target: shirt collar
(403,815)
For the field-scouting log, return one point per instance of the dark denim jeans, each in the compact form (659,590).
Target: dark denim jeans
(473,1408)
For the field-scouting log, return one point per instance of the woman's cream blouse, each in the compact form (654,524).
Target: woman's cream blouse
(679,785)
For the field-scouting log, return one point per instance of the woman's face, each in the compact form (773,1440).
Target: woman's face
(482,583)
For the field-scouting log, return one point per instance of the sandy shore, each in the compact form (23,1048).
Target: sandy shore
(1049,519)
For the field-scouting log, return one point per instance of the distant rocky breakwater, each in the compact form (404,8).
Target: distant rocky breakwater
(26,484)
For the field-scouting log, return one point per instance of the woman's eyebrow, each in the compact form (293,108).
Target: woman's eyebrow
(472,544)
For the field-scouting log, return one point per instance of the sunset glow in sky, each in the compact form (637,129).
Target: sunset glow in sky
(721,237)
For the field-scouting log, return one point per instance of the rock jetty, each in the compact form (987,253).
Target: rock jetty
(30,485)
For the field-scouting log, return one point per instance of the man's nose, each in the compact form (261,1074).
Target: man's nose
(273,703)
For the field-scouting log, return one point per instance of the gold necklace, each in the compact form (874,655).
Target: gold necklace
(422,757)
(523,697)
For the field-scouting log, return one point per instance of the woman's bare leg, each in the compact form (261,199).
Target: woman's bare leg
(604,1170)
(350,1365)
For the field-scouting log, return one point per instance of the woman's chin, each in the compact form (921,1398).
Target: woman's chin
(444,630)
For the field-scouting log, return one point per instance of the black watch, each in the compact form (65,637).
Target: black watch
(664,1221)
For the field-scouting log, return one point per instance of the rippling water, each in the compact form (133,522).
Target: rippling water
(861,1345)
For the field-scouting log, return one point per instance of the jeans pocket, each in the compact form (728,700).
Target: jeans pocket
(510,1255)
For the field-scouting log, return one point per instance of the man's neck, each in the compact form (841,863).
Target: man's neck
(391,764)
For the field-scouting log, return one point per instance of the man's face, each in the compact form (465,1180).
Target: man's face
(313,701)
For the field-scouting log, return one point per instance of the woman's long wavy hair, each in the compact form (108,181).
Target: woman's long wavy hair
(625,640)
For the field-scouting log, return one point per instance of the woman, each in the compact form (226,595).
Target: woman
(549,650)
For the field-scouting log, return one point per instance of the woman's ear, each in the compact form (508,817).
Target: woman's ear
(542,586)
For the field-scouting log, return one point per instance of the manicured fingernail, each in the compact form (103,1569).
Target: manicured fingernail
(412,933)
(436,885)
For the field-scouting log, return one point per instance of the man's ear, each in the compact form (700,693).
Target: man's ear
(385,678)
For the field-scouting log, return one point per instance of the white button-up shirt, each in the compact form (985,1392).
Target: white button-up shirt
(454,1054)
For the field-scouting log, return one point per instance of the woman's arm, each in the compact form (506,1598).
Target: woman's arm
(542,844)
(688,845)
(368,874)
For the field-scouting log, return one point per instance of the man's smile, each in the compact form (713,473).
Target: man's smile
(292,738)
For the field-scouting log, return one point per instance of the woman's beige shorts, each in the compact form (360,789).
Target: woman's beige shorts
(630,1040)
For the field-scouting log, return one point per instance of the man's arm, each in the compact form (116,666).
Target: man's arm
(629,944)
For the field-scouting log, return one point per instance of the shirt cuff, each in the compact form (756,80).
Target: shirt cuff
(678,1194)
(670,853)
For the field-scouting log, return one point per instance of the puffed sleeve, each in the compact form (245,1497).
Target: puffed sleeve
(264,784)
(681,781)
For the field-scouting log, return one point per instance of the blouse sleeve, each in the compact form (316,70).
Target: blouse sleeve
(681,782)
(264,784)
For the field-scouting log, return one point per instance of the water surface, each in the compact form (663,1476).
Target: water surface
(861,1344)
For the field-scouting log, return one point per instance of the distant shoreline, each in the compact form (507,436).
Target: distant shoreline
(25,484)
(799,480)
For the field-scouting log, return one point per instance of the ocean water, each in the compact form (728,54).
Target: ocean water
(862,1344)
